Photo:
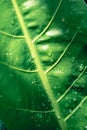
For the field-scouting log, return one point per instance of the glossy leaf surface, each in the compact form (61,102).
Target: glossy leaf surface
(43,64)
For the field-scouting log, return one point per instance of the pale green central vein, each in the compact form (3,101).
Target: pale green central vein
(41,72)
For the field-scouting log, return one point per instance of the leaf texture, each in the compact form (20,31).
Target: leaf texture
(43,64)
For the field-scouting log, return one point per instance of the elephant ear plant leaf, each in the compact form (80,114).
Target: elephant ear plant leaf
(43,64)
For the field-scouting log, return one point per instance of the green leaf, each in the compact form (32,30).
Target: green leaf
(43,64)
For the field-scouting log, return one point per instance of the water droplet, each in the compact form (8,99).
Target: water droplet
(34,82)
(85,127)
(76,92)
(67,31)
(12,22)
(67,99)
(58,94)
(63,19)
(40,116)
(74,99)
(51,60)
(73,59)
(69,54)
(17,59)
(39,125)
(81,67)
(70,110)
(48,119)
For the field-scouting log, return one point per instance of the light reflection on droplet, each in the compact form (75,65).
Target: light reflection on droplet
(54,32)
(81,67)
(74,99)
(29,4)
(45,47)
(85,127)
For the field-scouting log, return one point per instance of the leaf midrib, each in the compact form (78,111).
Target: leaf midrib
(41,72)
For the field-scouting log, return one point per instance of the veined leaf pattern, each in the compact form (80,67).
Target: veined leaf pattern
(43,64)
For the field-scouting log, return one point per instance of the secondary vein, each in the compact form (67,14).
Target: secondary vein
(80,75)
(27,110)
(49,23)
(63,53)
(75,110)
(17,69)
(10,35)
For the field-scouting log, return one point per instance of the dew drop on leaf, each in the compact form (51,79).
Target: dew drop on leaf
(40,115)
(70,110)
(81,67)
(74,99)
(67,31)
(12,22)
(48,119)
(73,59)
(85,127)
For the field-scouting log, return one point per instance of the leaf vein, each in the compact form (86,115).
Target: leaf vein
(27,110)
(75,110)
(10,35)
(49,23)
(63,53)
(18,69)
(41,72)
(72,84)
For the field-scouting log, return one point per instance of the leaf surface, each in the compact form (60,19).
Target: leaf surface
(43,64)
